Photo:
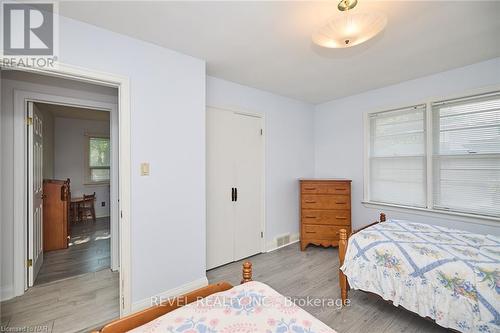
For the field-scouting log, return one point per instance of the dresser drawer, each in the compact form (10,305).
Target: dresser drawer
(333,217)
(326,201)
(326,188)
(326,232)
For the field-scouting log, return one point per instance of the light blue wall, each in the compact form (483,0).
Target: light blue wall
(167,96)
(168,131)
(289,148)
(339,136)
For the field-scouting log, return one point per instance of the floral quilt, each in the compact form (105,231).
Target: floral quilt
(250,307)
(449,275)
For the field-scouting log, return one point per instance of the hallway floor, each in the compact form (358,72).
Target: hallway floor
(75,290)
(88,251)
(76,304)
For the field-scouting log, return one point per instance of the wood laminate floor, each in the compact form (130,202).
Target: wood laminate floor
(88,301)
(88,251)
(313,273)
(76,304)
(75,290)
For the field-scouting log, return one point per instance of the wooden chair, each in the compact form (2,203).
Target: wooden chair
(86,207)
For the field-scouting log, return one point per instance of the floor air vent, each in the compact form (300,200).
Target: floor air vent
(283,240)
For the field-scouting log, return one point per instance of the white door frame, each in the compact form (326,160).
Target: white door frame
(20,131)
(263,170)
(34,235)
(20,99)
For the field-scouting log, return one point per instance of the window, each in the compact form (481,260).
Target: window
(98,159)
(397,156)
(449,163)
(467,155)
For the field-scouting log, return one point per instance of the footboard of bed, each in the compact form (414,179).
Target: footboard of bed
(145,316)
(343,241)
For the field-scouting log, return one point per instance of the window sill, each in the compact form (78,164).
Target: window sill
(96,183)
(463,217)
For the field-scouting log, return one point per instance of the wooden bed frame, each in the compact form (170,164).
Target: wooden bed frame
(344,285)
(145,316)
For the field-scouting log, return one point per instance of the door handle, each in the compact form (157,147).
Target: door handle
(235,194)
(232,193)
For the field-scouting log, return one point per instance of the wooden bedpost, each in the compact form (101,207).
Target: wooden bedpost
(382,217)
(342,277)
(247,272)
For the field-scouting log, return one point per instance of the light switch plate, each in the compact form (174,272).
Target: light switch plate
(145,169)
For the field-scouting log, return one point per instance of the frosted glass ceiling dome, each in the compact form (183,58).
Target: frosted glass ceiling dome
(349,28)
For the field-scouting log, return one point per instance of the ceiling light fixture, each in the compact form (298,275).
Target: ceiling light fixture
(349,28)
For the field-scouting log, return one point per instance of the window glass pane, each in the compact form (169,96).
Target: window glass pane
(99,152)
(397,157)
(398,133)
(398,180)
(468,127)
(99,175)
(467,155)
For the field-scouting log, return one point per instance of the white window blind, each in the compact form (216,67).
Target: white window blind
(466,161)
(397,160)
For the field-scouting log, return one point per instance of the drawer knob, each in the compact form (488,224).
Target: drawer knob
(310,217)
(340,202)
(308,201)
(341,217)
(309,188)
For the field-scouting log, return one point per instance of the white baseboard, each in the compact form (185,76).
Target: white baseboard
(6,293)
(183,289)
(273,244)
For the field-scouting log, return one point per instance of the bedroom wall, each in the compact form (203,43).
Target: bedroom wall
(167,96)
(339,136)
(69,159)
(289,148)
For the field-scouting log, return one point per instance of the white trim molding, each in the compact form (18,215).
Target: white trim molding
(20,153)
(122,83)
(174,292)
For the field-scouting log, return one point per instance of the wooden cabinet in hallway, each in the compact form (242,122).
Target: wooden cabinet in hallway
(56,200)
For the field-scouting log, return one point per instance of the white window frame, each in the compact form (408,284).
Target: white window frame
(429,151)
(87,168)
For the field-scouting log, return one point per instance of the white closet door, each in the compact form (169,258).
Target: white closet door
(249,164)
(35,229)
(220,181)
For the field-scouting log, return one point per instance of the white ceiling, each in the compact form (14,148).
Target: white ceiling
(267,45)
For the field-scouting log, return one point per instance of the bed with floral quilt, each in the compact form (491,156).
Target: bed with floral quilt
(249,307)
(450,276)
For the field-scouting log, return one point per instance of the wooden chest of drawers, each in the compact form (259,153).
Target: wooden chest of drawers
(325,208)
